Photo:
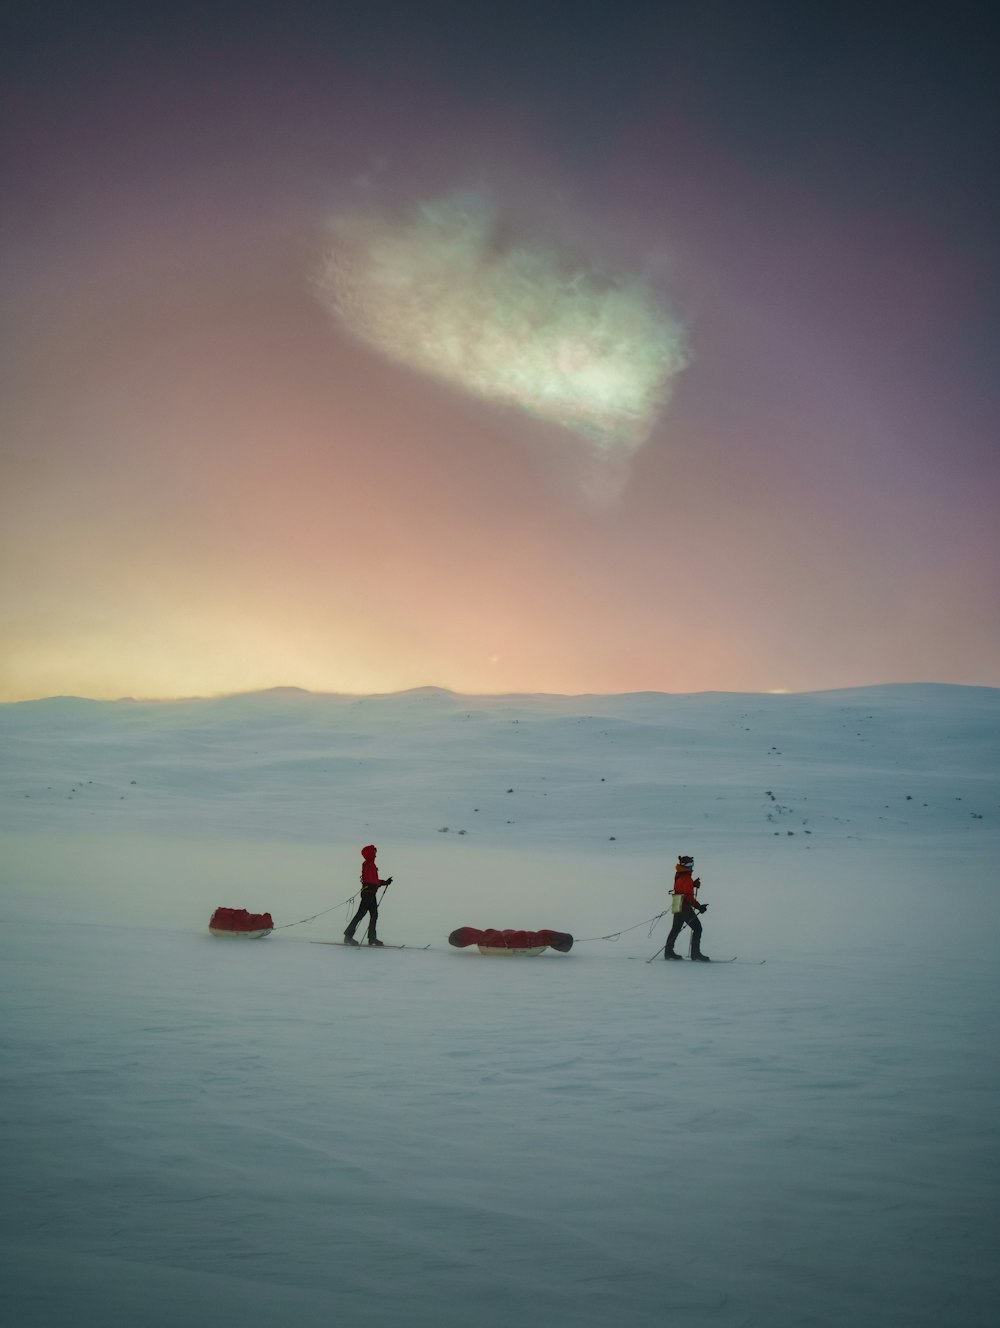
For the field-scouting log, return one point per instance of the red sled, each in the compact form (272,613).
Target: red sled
(492,942)
(238,922)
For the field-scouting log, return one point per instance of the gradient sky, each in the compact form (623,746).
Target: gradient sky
(219,476)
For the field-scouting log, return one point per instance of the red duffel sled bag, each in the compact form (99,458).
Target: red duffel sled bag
(238,922)
(491,941)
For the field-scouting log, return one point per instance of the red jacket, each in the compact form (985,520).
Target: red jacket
(684,885)
(369,872)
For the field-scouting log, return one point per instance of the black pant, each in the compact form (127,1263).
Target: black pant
(689,916)
(369,905)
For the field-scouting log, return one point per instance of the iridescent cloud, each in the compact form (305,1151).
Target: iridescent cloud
(450,289)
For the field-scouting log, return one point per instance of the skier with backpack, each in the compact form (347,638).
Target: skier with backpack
(686,909)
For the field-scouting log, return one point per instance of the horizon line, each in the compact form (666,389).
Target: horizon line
(433,688)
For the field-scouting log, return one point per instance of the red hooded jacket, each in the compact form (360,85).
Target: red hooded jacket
(369,871)
(684,885)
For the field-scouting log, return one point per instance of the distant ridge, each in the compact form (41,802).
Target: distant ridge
(430,692)
(913,761)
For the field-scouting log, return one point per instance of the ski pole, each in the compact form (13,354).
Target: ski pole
(384,889)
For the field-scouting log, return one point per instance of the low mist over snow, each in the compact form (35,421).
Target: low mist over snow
(232,1132)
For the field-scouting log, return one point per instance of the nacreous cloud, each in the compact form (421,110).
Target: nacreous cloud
(451,291)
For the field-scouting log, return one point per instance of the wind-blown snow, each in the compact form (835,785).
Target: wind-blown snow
(266,1133)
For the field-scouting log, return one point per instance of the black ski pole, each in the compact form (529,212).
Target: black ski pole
(384,888)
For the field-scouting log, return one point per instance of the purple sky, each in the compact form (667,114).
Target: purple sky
(213,481)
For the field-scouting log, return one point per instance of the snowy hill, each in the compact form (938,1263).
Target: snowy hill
(916,761)
(277,790)
(237,1133)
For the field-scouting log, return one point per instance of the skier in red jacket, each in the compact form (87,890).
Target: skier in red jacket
(686,887)
(369,897)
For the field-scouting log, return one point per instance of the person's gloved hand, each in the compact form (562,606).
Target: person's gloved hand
(387,881)
(702,908)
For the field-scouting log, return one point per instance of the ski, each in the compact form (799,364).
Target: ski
(363,946)
(688,960)
(731,959)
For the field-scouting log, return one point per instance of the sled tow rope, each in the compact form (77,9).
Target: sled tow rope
(616,935)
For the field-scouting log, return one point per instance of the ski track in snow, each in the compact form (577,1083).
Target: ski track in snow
(235,1133)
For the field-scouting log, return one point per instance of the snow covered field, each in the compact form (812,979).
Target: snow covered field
(205,1132)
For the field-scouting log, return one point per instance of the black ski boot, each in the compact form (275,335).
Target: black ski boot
(374,942)
(699,958)
(669,954)
(349,940)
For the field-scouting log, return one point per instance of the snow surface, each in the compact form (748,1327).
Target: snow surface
(237,1133)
